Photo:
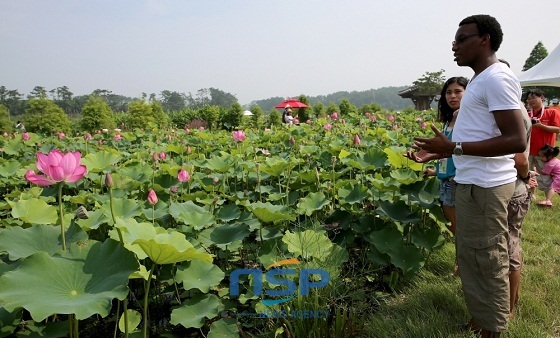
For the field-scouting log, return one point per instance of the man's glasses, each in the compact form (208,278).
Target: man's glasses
(463,38)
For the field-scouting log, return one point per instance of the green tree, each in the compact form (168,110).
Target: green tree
(6,124)
(274,118)
(44,116)
(172,100)
(257,118)
(346,108)
(221,98)
(303,113)
(430,83)
(538,53)
(12,100)
(233,117)
(319,109)
(332,108)
(96,115)
(211,114)
(38,92)
(140,114)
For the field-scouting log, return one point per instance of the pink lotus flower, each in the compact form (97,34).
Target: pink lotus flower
(367,114)
(61,136)
(189,149)
(152,197)
(183,176)
(328,126)
(25,136)
(169,137)
(390,118)
(334,116)
(373,118)
(201,128)
(419,119)
(57,167)
(118,137)
(87,136)
(356,140)
(308,121)
(5,134)
(395,127)
(156,156)
(162,155)
(239,136)
(424,125)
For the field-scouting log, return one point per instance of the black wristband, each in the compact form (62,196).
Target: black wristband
(525,179)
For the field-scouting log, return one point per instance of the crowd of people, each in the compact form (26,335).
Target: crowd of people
(491,154)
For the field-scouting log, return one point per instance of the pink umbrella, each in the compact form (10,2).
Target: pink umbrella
(293,103)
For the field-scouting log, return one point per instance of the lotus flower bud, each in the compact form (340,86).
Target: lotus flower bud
(152,197)
(108,180)
(356,140)
(183,176)
(292,141)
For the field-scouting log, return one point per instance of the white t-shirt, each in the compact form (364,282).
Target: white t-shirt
(496,88)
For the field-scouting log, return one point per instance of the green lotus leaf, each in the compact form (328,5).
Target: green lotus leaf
(308,243)
(131,230)
(404,175)
(34,211)
(352,193)
(193,311)
(175,148)
(96,218)
(9,321)
(191,214)
(267,212)
(100,161)
(137,171)
(133,317)
(343,154)
(229,212)
(199,274)
(385,240)
(313,201)
(407,258)
(219,164)
(9,168)
(377,258)
(308,176)
(425,192)
(224,328)
(427,238)
(397,160)
(274,166)
(82,281)
(166,248)
(123,207)
(20,243)
(398,211)
(228,233)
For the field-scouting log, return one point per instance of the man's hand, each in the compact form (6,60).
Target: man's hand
(421,156)
(439,144)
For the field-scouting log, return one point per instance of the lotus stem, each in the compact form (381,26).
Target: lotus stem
(61,217)
(145,310)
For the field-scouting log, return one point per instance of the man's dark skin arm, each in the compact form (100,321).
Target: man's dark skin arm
(512,140)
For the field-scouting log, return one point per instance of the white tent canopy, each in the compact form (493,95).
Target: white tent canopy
(545,73)
(247,113)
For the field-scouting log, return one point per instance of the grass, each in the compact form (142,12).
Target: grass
(432,305)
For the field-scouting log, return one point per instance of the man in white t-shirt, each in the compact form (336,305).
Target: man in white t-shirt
(488,131)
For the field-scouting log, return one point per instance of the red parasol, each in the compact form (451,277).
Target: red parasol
(293,103)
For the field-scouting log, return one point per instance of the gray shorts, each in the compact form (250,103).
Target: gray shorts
(517,209)
(482,252)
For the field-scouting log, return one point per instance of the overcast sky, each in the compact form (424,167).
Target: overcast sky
(254,49)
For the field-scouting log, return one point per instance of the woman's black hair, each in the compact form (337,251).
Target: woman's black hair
(445,112)
(549,151)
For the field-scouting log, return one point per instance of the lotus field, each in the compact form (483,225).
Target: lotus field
(187,233)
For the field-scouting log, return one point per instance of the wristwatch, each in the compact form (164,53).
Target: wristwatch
(458,149)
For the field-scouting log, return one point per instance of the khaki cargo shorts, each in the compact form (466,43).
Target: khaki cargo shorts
(482,252)
(517,209)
